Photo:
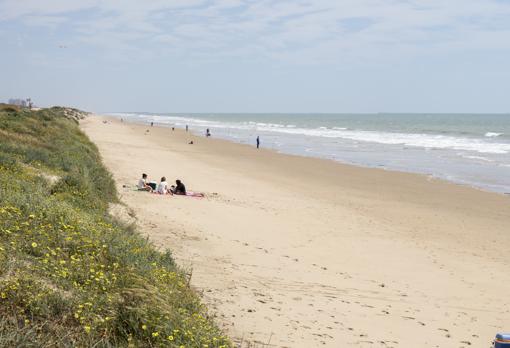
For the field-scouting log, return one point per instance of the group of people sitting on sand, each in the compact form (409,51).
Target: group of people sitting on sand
(162,188)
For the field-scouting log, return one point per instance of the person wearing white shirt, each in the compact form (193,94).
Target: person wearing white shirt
(142,184)
(163,187)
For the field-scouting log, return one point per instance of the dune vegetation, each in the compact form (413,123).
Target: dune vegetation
(70,274)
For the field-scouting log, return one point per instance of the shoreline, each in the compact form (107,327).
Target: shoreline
(302,252)
(428,176)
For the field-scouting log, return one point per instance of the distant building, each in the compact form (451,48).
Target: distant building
(18,102)
(21,102)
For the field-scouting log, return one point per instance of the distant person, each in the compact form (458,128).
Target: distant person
(258,142)
(173,128)
(152,124)
(163,187)
(179,188)
(186,128)
(190,143)
(143,185)
(207,133)
(121,120)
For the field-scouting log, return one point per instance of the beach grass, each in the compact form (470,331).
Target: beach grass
(70,274)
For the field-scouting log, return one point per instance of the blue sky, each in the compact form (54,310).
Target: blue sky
(258,56)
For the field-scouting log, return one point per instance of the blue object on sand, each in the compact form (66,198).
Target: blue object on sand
(502,341)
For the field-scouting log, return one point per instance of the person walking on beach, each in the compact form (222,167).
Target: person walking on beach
(258,141)
(186,128)
(152,124)
(207,133)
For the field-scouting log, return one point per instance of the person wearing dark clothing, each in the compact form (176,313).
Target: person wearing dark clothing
(258,142)
(207,133)
(179,189)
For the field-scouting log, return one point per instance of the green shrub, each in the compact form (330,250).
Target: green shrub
(69,274)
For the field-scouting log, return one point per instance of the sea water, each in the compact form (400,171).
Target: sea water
(471,149)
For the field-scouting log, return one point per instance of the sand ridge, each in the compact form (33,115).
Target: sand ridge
(301,252)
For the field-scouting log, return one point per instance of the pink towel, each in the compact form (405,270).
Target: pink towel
(194,194)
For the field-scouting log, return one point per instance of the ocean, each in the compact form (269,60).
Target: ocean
(468,149)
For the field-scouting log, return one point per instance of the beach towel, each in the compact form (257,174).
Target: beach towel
(188,194)
(195,194)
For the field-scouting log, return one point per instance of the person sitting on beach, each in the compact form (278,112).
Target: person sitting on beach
(179,189)
(163,187)
(142,184)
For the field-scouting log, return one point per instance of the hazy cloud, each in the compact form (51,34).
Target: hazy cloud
(329,53)
(336,28)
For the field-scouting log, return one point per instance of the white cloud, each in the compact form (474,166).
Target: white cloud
(303,31)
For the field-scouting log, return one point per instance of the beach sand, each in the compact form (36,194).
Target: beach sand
(301,252)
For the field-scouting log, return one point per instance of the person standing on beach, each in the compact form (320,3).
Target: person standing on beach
(186,128)
(258,141)
(152,124)
(207,133)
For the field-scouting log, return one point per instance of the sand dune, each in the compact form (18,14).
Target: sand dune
(302,252)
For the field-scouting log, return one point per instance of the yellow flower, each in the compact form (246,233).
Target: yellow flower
(87,329)
(34,245)
(144,327)
(27,321)
(155,334)
(170,338)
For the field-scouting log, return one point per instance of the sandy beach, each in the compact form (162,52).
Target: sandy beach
(301,252)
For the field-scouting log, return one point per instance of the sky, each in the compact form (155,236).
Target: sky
(338,56)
